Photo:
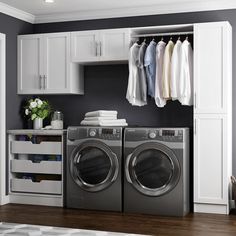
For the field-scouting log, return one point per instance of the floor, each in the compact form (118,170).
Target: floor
(191,225)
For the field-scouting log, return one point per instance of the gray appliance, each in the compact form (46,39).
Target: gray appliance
(156,164)
(94,161)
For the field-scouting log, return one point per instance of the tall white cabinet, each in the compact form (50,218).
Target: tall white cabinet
(212,117)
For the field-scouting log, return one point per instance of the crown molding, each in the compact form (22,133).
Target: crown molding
(167,8)
(16,13)
(158,9)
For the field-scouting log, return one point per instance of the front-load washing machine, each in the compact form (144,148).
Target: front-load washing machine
(156,165)
(94,160)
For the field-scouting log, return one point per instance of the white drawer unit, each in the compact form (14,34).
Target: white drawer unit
(36,169)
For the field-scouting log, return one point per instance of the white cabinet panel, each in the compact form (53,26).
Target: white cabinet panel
(210,159)
(210,74)
(84,46)
(29,63)
(100,45)
(56,63)
(114,44)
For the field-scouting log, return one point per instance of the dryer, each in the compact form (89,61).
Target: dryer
(94,160)
(156,164)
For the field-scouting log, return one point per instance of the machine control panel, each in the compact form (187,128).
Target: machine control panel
(105,133)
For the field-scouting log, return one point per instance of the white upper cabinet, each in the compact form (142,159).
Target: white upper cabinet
(56,62)
(211,69)
(30,66)
(44,65)
(100,45)
(84,46)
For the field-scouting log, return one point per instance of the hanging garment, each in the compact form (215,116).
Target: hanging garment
(142,73)
(175,70)
(166,75)
(150,64)
(186,75)
(133,94)
(160,49)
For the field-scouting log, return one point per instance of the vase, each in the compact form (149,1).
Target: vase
(38,123)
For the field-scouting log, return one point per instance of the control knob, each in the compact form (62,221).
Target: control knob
(92,133)
(152,135)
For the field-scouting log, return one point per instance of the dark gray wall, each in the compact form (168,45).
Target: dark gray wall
(12,27)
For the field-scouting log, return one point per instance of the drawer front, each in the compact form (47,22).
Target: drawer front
(27,147)
(44,186)
(44,167)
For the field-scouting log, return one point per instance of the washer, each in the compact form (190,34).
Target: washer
(94,156)
(156,171)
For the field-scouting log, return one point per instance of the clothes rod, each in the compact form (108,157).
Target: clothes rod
(161,34)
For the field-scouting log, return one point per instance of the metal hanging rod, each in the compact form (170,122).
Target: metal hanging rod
(161,34)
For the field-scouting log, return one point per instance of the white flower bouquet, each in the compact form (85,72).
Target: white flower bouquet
(36,108)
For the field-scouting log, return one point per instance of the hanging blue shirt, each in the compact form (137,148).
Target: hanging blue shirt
(150,65)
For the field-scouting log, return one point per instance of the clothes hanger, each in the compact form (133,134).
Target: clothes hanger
(186,38)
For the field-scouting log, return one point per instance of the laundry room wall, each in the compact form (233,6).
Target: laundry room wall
(12,27)
(105,85)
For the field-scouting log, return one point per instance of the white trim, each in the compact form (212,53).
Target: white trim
(167,8)
(17,13)
(3,197)
(158,9)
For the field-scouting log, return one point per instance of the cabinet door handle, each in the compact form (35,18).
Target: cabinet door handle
(40,82)
(100,46)
(44,81)
(96,49)
(195,100)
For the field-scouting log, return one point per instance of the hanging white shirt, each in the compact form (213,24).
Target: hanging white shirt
(133,94)
(166,75)
(186,74)
(175,70)
(160,50)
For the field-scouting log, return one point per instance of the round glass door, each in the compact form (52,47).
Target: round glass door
(94,166)
(153,169)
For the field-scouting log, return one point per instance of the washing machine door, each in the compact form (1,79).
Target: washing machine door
(152,169)
(93,166)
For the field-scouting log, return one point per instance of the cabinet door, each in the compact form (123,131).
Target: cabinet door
(114,44)
(30,63)
(56,63)
(84,46)
(211,71)
(210,159)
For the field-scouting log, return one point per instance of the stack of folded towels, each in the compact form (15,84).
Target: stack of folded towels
(103,118)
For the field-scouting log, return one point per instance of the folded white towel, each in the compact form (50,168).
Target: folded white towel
(100,113)
(99,118)
(120,122)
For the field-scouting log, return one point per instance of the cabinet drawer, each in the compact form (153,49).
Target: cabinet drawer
(44,186)
(44,167)
(27,147)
